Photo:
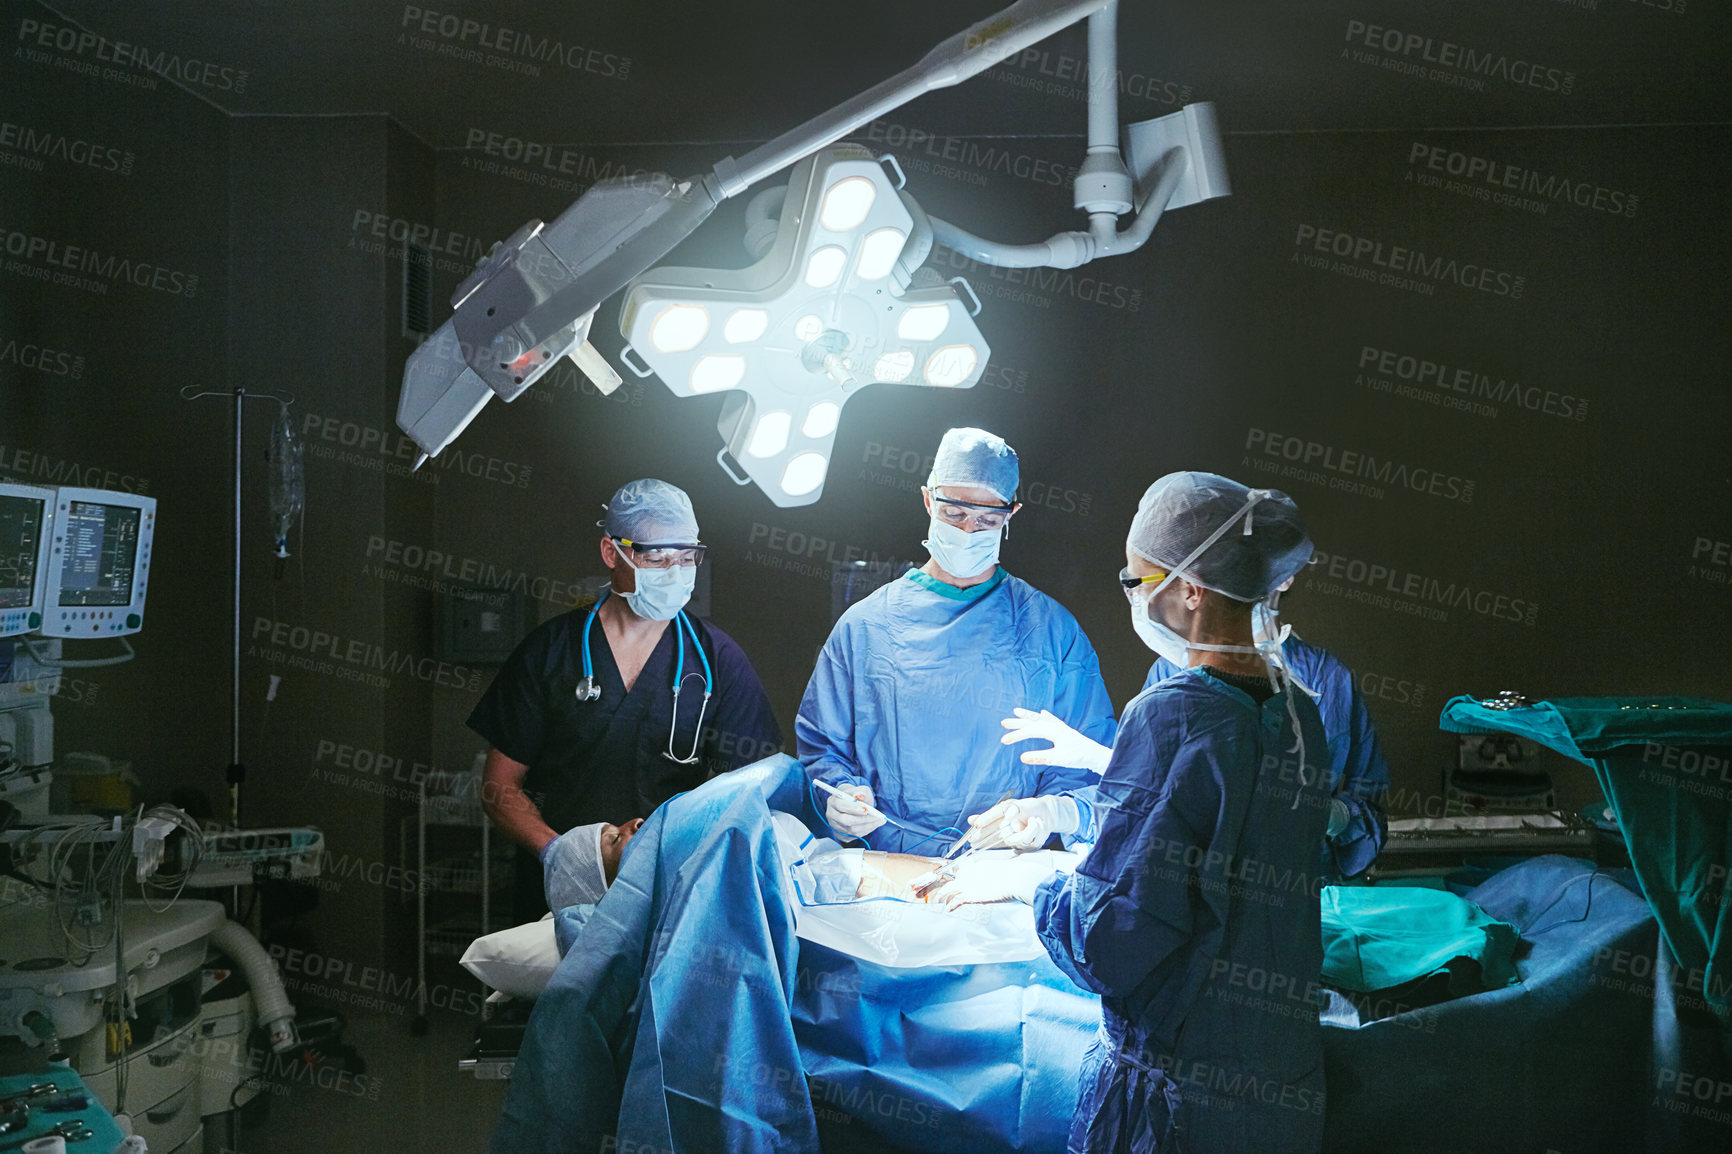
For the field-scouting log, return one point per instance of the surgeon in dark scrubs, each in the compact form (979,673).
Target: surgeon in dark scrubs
(576,743)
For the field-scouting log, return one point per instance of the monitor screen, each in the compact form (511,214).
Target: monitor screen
(101,548)
(20,540)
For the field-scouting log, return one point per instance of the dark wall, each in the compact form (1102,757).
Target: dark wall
(113,296)
(1565,284)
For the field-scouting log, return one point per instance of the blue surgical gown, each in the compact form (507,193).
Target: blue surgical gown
(1358,775)
(910,691)
(1196,917)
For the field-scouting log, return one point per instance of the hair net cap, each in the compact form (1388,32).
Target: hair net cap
(1180,511)
(975,457)
(651,512)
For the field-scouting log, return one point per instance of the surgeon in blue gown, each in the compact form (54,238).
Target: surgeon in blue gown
(903,709)
(1196,915)
(1358,775)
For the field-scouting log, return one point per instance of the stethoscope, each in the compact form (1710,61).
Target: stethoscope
(588,690)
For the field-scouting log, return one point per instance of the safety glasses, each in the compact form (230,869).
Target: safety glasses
(663,556)
(965,513)
(1132,584)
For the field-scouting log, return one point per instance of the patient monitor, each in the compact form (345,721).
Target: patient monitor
(26,515)
(99,563)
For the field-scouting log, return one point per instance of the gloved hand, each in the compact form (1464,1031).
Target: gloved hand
(1027,822)
(996,877)
(571,867)
(1339,816)
(1069,748)
(853,818)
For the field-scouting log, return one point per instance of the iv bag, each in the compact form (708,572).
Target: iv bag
(288,479)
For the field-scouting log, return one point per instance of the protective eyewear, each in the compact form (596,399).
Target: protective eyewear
(1132,584)
(955,512)
(663,556)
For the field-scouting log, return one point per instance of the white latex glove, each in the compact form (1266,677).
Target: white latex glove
(1069,748)
(1027,822)
(854,818)
(1339,816)
(996,877)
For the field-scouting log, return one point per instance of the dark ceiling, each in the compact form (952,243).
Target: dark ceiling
(719,72)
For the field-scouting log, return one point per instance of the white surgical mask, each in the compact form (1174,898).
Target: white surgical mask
(963,554)
(1154,634)
(660,593)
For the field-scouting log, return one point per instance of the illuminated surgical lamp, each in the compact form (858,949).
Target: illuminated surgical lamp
(837,299)
(837,316)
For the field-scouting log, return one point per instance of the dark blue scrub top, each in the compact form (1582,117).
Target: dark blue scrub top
(603,760)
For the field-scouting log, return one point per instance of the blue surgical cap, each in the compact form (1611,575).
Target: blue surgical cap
(975,457)
(1180,511)
(651,512)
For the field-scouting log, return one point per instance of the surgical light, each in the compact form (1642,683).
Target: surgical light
(951,365)
(924,323)
(821,419)
(878,255)
(771,435)
(843,310)
(846,204)
(745,325)
(825,266)
(715,373)
(805,474)
(680,327)
(894,367)
(841,282)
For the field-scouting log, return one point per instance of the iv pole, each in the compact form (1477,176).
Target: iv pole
(236,772)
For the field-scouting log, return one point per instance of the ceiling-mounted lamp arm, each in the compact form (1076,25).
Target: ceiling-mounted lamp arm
(972,51)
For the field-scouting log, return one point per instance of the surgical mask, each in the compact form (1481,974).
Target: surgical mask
(963,554)
(1154,634)
(660,593)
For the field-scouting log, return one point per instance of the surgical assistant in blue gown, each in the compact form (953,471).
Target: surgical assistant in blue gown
(910,690)
(1196,918)
(1358,775)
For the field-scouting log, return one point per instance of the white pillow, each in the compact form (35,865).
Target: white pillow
(518,961)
